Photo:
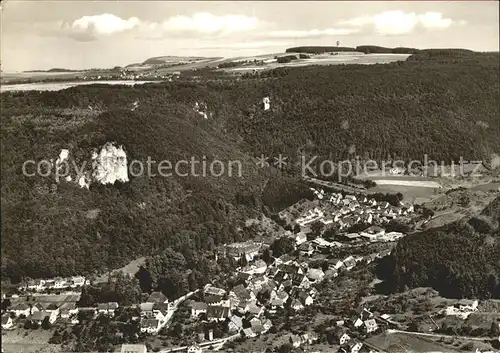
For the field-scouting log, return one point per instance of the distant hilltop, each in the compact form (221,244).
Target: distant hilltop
(56,69)
(373,49)
(172,59)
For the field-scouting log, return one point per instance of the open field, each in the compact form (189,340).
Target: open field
(130,269)
(414,183)
(413,194)
(57,86)
(28,341)
(24,75)
(493,186)
(444,218)
(175,59)
(180,64)
(363,59)
(399,343)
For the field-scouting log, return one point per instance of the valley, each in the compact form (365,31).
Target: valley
(98,253)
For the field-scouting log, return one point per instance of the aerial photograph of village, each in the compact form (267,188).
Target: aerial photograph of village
(250,177)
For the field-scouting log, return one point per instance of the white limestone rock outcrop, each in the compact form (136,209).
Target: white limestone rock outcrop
(266,103)
(63,156)
(83,182)
(201,109)
(110,165)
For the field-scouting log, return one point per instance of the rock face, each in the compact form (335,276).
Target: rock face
(62,156)
(201,109)
(495,161)
(266,103)
(110,165)
(83,182)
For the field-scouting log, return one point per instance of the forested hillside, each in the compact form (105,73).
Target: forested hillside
(447,108)
(455,260)
(54,228)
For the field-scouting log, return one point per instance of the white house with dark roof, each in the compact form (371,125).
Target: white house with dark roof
(66,310)
(467,305)
(315,275)
(249,249)
(296,305)
(352,347)
(7,322)
(211,290)
(20,309)
(107,308)
(218,313)
(259,267)
(150,326)
(341,335)
(194,348)
(248,332)
(156,311)
(157,297)
(255,309)
(305,298)
(349,263)
(235,323)
(370,326)
(78,281)
(198,308)
(39,316)
(295,341)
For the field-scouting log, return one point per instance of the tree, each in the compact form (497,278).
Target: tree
(145,280)
(468,347)
(28,325)
(282,246)
(46,323)
(463,200)
(427,213)
(286,348)
(317,228)
(177,330)
(56,338)
(495,330)
(413,327)
(266,256)
(127,290)
(5,304)
(243,261)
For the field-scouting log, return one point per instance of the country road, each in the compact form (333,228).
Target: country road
(438,335)
(333,185)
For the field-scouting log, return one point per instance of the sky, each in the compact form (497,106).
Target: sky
(83,34)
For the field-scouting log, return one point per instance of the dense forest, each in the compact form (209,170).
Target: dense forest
(446,107)
(403,110)
(455,259)
(374,49)
(80,231)
(319,49)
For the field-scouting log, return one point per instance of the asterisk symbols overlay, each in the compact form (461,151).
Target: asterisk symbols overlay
(262,161)
(280,162)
